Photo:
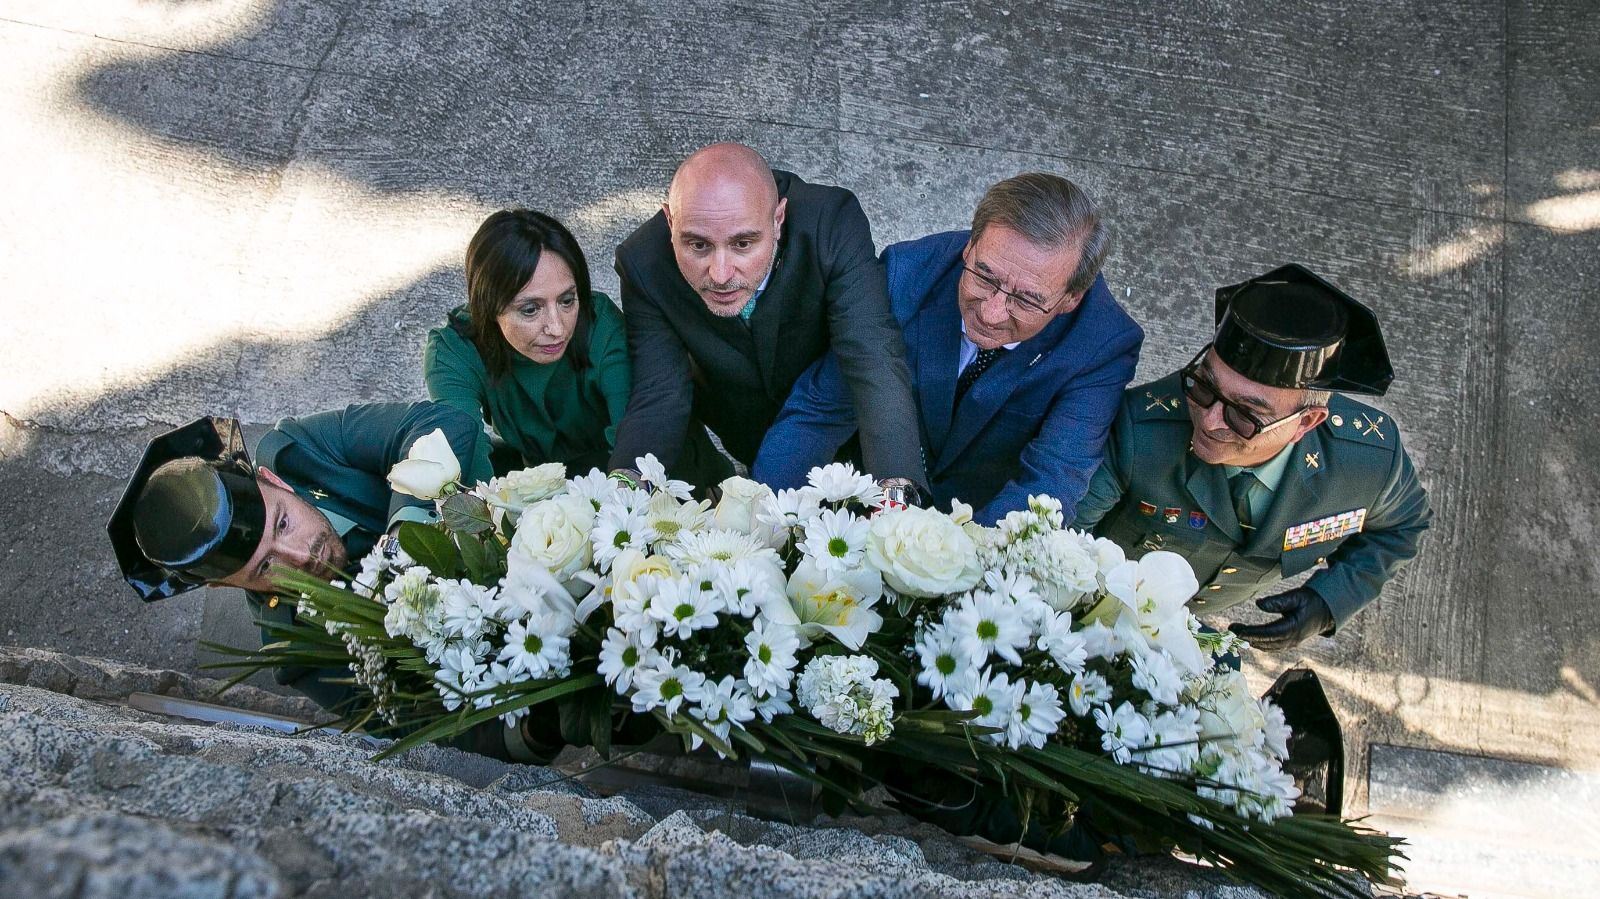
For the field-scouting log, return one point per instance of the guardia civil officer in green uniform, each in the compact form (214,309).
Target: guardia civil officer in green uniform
(198,511)
(1251,466)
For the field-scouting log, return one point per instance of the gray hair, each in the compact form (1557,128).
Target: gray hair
(1317,399)
(1049,211)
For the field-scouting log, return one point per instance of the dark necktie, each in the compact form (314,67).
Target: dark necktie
(1239,485)
(976,367)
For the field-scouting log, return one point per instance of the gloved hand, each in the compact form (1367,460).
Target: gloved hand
(1305,615)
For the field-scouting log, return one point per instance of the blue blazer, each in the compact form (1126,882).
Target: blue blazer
(1036,422)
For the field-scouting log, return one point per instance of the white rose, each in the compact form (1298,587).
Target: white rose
(922,552)
(554,534)
(1228,711)
(427,468)
(520,489)
(737,509)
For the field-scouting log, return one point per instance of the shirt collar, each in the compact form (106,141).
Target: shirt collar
(1270,472)
(750,304)
(1009,346)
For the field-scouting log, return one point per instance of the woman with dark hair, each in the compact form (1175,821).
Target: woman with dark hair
(535,353)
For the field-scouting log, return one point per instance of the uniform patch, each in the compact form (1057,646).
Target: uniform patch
(1171,514)
(1197,520)
(1147,508)
(1324,529)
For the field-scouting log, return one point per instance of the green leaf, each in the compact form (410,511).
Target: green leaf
(466,514)
(479,559)
(431,548)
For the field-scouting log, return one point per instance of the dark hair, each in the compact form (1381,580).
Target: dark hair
(501,258)
(1049,211)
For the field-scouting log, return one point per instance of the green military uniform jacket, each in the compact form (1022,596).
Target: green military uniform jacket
(546,412)
(1349,499)
(339,461)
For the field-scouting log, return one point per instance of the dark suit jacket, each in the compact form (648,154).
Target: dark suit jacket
(1035,422)
(826,290)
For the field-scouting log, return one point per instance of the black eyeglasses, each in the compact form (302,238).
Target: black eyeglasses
(1016,302)
(1239,420)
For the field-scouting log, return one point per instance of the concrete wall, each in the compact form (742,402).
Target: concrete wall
(259,208)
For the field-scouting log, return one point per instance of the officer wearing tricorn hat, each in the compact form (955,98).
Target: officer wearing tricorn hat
(198,512)
(1246,463)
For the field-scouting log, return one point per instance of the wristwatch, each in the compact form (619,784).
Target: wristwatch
(900,493)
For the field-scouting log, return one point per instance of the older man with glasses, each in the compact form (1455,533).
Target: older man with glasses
(1018,355)
(1246,463)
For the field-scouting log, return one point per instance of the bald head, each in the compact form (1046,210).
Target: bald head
(726,217)
(724,167)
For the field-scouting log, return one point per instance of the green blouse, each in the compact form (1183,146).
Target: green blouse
(548,413)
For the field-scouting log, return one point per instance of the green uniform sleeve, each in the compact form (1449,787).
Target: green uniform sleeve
(1360,567)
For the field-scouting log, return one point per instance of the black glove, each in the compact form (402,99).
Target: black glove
(1305,615)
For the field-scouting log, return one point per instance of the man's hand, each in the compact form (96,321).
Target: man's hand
(1304,615)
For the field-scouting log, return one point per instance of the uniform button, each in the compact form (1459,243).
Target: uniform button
(1322,560)
(272,603)
(1214,587)
(1230,570)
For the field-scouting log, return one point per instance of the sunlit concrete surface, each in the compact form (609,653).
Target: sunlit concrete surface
(259,207)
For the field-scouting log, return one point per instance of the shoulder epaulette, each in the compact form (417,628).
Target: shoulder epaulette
(1360,423)
(1156,400)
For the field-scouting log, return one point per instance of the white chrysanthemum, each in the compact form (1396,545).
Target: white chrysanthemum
(1174,743)
(1065,566)
(680,607)
(617,528)
(1065,646)
(666,686)
(1154,673)
(772,705)
(671,519)
(1101,642)
(840,692)
(620,655)
(1038,715)
(994,698)
(1122,731)
(750,588)
(726,547)
(651,469)
(468,608)
(596,487)
(985,623)
(630,609)
(723,705)
(922,552)
(538,647)
(837,603)
(1087,690)
(1275,731)
(836,540)
(415,611)
(838,482)
(461,671)
(788,509)
(772,649)
(944,667)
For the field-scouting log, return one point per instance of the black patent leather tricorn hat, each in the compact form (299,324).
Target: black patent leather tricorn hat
(1289,328)
(191,513)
